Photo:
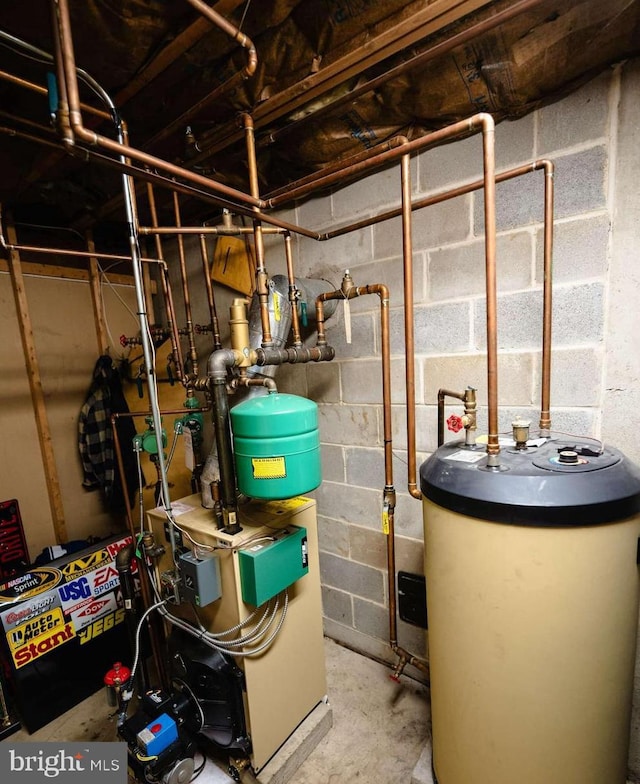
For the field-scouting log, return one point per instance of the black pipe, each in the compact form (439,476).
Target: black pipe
(128,587)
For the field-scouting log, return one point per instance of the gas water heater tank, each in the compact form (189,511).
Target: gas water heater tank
(532,596)
(277,446)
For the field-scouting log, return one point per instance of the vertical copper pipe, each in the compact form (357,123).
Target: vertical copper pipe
(410,375)
(389,495)
(193,356)
(488,155)
(545,405)
(176,349)
(215,327)
(293,300)
(261,272)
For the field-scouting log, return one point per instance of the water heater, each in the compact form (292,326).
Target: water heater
(532,597)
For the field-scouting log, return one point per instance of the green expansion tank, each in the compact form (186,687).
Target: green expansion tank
(277,446)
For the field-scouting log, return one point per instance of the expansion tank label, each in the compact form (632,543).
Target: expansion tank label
(269,467)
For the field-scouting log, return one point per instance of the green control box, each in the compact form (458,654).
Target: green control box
(269,566)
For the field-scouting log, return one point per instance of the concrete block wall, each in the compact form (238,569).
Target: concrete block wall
(592,138)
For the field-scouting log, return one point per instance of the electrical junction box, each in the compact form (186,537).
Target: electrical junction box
(158,735)
(200,579)
(268,567)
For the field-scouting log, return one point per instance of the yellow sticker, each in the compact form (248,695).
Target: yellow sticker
(277,312)
(268,467)
(43,644)
(36,627)
(385,522)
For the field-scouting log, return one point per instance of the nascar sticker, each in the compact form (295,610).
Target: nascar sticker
(34,582)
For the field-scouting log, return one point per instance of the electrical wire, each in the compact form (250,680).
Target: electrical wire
(186,686)
(136,658)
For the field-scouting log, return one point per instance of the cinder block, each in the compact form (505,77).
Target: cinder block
(461,161)
(361,381)
(438,329)
(459,271)
(362,335)
(354,578)
(323,382)
(332,463)
(314,213)
(333,536)
(391,274)
(368,546)
(431,227)
(580,249)
(575,376)
(368,196)
(426,427)
(289,379)
(408,517)
(334,255)
(515,377)
(337,605)
(357,505)
(348,424)
(410,552)
(364,466)
(581,117)
(371,619)
(577,318)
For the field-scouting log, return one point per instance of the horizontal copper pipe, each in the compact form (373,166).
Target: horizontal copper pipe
(223,231)
(376,159)
(41,90)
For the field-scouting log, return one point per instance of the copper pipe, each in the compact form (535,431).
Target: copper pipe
(376,159)
(81,133)
(176,349)
(488,156)
(193,355)
(249,69)
(409,350)
(215,326)
(545,406)
(427,201)
(468,397)
(261,271)
(41,90)
(293,291)
(389,494)
(389,144)
(221,231)
(83,254)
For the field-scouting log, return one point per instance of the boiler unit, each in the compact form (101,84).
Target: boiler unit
(532,597)
(248,704)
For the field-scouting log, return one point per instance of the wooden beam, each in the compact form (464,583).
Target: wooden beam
(70,273)
(96,296)
(37,394)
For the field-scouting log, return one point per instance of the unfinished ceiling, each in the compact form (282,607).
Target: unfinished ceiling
(328,79)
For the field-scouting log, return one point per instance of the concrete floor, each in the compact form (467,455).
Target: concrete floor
(379,730)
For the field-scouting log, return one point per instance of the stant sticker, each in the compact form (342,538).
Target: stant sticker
(43,644)
(269,467)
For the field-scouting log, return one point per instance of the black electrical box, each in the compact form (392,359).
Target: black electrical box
(412,599)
